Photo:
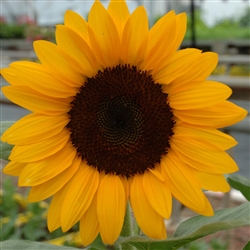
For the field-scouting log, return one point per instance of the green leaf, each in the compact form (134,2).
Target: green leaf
(30,245)
(5,148)
(247,246)
(97,244)
(195,228)
(240,183)
(226,218)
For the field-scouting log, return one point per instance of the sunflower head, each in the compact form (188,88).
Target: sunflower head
(119,114)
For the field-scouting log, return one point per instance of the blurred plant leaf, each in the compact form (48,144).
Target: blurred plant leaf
(195,228)
(226,218)
(5,148)
(247,246)
(240,183)
(30,245)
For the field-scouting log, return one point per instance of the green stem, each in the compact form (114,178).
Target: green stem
(127,228)
(136,228)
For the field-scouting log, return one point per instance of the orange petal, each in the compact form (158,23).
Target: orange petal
(174,66)
(218,183)
(54,212)
(212,135)
(119,12)
(53,185)
(158,194)
(89,224)
(9,75)
(103,35)
(202,155)
(200,69)
(180,32)
(220,115)
(77,50)
(77,23)
(37,77)
(81,191)
(35,101)
(111,208)
(54,60)
(208,211)
(182,183)
(206,94)
(150,222)
(41,149)
(126,187)
(160,40)
(14,168)
(25,131)
(39,172)
(157,172)
(134,38)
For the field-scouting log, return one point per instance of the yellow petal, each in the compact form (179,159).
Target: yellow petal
(118,10)
(9,75)
(208,211)
(14,168)
(40,150)
(77,23)
(160,40)
(103,35)
(180,32)
(200,69)
(174,88)
(35,101)
(89,225)
(161,46)
(53,59)
(202,155)
(158,194)
(33,128)
(157,172)
(111,208)
(38,78)
(135,37)
(212,135)
(206,94)
(207,63)
(38,172)
(53,185)
(77,50)
(183,185)
(54,212)
(150,222)
(125,183)
(213,182)
(81,190)
(175,65)
(220,115)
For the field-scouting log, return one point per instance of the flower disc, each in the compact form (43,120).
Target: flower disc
(126,120)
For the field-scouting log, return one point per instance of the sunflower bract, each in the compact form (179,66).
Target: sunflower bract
(119,115)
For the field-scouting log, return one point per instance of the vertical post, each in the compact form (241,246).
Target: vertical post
(151,13)
(193,34)
(168,6)
(176,212)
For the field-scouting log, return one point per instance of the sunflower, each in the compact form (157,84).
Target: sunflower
(119,115)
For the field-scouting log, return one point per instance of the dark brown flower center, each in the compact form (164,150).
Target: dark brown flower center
(120,121)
